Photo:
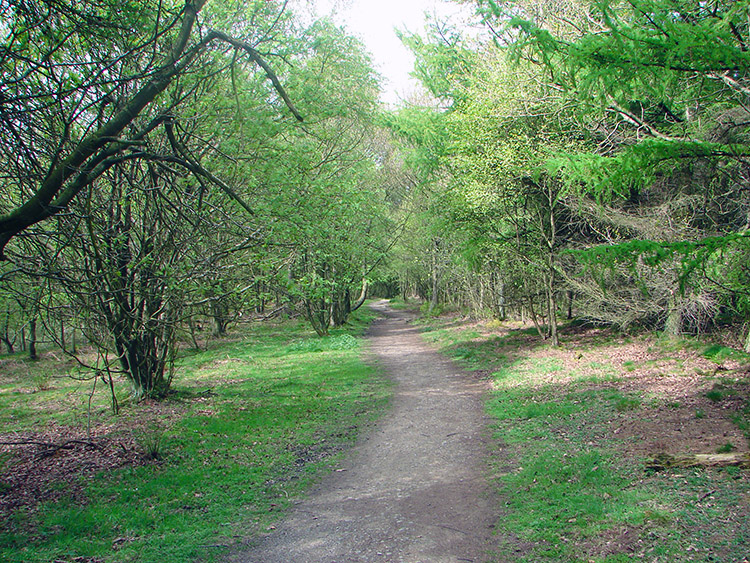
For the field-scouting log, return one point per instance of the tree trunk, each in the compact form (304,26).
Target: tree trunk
(534,318)
(144,362)
(341,308)
(318,316)
(362,296)
(501,313)
(673,324)
(193,337)
(434,280)
(32,340)
(665,461)
(552,304)
(6,332)
(570,304)
(552,315)
(219,319)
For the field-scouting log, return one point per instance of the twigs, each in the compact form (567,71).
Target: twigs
(50,448)
(666,461)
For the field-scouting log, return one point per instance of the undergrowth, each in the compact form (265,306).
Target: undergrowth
(251,424)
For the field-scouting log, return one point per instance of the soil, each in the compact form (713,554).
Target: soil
(413,489)
(56,460)
(676,414)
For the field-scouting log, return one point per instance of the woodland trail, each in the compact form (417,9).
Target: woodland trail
(413,489)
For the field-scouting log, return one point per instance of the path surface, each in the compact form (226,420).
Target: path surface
(412,490)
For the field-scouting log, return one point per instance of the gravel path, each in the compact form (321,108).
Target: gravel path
(413,489)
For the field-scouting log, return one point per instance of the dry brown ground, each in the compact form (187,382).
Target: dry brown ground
(676,415)
(55,460)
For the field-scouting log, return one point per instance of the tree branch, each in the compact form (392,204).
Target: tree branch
(639,123)
(255,56)
(57,188)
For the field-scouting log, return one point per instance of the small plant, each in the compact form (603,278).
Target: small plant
(726,448)
(699,413)
(629,365)
(623,403)
(673,405)
(494,324)
(427,311)
(151,443)
(715,394)
(627,404)
(41,381)
(718,353)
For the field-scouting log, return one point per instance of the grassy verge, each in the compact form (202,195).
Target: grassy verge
(569,470)
(252,424)
(399,304)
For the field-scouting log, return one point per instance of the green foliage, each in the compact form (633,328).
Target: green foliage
(337,342)
(637,166)
(655,92)
(716,394)
(726,448)
(718,353)
(151,441)
(442,63)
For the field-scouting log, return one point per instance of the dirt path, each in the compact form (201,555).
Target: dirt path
(413,490)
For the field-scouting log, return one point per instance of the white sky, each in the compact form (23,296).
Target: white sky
(375,21)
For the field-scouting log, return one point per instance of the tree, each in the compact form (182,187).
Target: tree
(148,224)
(77,86)
(323,196)
(660,91)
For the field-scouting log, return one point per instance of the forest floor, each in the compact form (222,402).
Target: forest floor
(254,419)
(565,445)
(511,451)
(577,427)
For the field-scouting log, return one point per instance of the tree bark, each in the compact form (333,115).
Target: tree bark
(362,296)
(501,312)
(6,332)
(96,153)
(570,304)
(434,278)
(673,324)
(32,339)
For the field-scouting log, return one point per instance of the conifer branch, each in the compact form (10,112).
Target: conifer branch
(731,82)
(640,123)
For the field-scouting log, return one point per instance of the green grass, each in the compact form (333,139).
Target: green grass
(718,353)
(399,304)
(257,421)
(569,491)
